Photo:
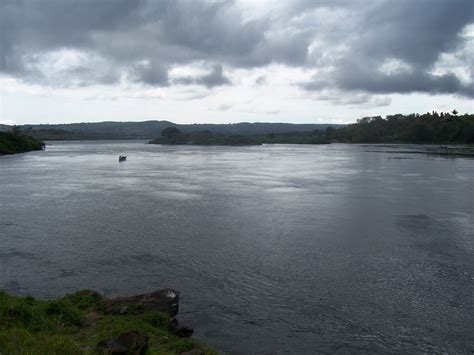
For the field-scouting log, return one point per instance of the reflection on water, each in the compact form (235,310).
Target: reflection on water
(274,248)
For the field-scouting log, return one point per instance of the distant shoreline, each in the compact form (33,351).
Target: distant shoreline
(427,128)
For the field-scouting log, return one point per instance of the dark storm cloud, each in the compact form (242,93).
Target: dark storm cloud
(413,32)
(142,38)
(140,41)
(150,73)
(415,81)
(29,27)
(416,31)
(215,77)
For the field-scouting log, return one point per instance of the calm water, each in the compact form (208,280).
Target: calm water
(275,249)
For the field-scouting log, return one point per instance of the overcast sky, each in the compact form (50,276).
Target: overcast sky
(200,61)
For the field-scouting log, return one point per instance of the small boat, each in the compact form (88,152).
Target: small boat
(122,158)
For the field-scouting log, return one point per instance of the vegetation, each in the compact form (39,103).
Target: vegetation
(432,127)
(312,137)
(152,129)
(70,326)
(173,135)
(16,142)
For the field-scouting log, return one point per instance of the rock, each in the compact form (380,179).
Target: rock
(173,323)
(180,331)
(166,301)
(111,346)
(183,331)
(127,343)
(90,293)
(135,342)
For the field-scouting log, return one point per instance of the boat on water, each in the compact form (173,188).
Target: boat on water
(122,158)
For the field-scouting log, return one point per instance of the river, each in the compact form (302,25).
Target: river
(274,248)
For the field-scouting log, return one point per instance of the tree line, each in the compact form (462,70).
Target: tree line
(173,135)
(16,142)
(431,127)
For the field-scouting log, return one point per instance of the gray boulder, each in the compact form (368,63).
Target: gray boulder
(130,343)
(166,301)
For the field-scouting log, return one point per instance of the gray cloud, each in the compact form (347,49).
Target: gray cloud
(417,81)
(30,27)
(355,99)
(140,41)
(215,77)
(352,77)
(415,33)
(261,80)
(223,107)
(150,73)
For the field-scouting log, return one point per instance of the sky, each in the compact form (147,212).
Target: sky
(299,61)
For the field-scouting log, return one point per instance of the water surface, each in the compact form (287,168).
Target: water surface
(275,248)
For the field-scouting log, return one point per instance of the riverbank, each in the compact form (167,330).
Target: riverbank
(12,143)
(87,323)
(446,151)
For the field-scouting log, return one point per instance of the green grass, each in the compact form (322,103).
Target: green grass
(30,326)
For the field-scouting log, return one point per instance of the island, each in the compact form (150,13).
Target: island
(174,136)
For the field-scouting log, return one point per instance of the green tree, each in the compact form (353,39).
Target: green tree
(170,132)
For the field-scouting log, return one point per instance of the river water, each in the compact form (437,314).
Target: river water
(274,248)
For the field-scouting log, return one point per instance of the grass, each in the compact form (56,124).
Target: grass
(71,325)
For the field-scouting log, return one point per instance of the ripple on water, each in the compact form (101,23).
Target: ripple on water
(290,249)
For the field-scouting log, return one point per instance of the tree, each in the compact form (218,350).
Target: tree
(170,132)
(16,130)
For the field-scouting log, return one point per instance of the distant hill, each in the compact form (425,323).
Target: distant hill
(152,129)
(5,128)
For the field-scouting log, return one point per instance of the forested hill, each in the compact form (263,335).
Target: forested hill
(16,142)
(431,127)
(152,129)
